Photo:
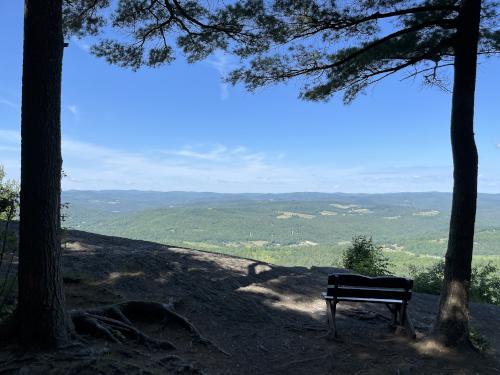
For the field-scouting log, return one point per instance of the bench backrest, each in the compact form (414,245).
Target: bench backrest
(358,286)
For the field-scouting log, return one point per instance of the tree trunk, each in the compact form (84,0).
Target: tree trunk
(452,324)
(40,316)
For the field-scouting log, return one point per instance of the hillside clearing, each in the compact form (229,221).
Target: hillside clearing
(288,215)
(265,319)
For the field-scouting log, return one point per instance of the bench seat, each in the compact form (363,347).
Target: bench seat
(372,300)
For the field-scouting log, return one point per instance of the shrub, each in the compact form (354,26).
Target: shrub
(478,341)
(427,280)
(366,258)
(485,281)
(8,246)
(485,284)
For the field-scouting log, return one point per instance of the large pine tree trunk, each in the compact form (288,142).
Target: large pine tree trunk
(40,316)
(452,324)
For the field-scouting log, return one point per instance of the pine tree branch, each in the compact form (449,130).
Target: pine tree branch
(413,61)
(231,32)
(433,69)
(179,21)
(90,9)
(375,16)
(159,26)
(368,47)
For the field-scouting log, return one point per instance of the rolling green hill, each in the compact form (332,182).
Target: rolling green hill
(292,229)
(416,222)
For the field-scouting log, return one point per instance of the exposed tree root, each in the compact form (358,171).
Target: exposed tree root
(114,322)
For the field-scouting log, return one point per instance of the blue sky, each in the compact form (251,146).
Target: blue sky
(180,128)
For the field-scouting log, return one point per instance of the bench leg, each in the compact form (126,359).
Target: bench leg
(394,311)
(331,316)
(402,316)
(408,324)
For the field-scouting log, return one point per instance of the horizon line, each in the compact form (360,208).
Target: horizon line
(268,193)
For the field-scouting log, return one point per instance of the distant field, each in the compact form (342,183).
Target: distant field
(303,229)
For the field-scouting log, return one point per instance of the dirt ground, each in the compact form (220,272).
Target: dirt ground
(260,319)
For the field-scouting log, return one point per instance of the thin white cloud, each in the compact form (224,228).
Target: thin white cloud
(220,153)
(498,145)
(81,44)
(216,153)
(74,110)
(8,103)
(217,170)
(221,63)
(222,168)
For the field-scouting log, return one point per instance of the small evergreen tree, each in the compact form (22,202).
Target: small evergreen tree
(366,258)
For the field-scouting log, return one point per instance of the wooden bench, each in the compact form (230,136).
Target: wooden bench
(394,292)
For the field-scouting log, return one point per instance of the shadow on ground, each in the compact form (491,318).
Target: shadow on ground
(266,319)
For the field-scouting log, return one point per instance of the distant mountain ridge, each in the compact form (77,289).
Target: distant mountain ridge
(415,222)
(188,197)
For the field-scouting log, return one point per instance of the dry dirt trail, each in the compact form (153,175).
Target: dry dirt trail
(260,319)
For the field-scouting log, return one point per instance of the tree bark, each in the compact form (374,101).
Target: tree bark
(40,315)
(452,324)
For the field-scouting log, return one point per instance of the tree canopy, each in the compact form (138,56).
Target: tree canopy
(347,46)
(136,33)
(335,46)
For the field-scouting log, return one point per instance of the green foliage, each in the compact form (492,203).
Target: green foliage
(150,30)
(347,46)
(485,281)
(9,200)
(9,192)
(364,257)
(63,213)
(478,341)
(428,280)
(485,284)
(236,220)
